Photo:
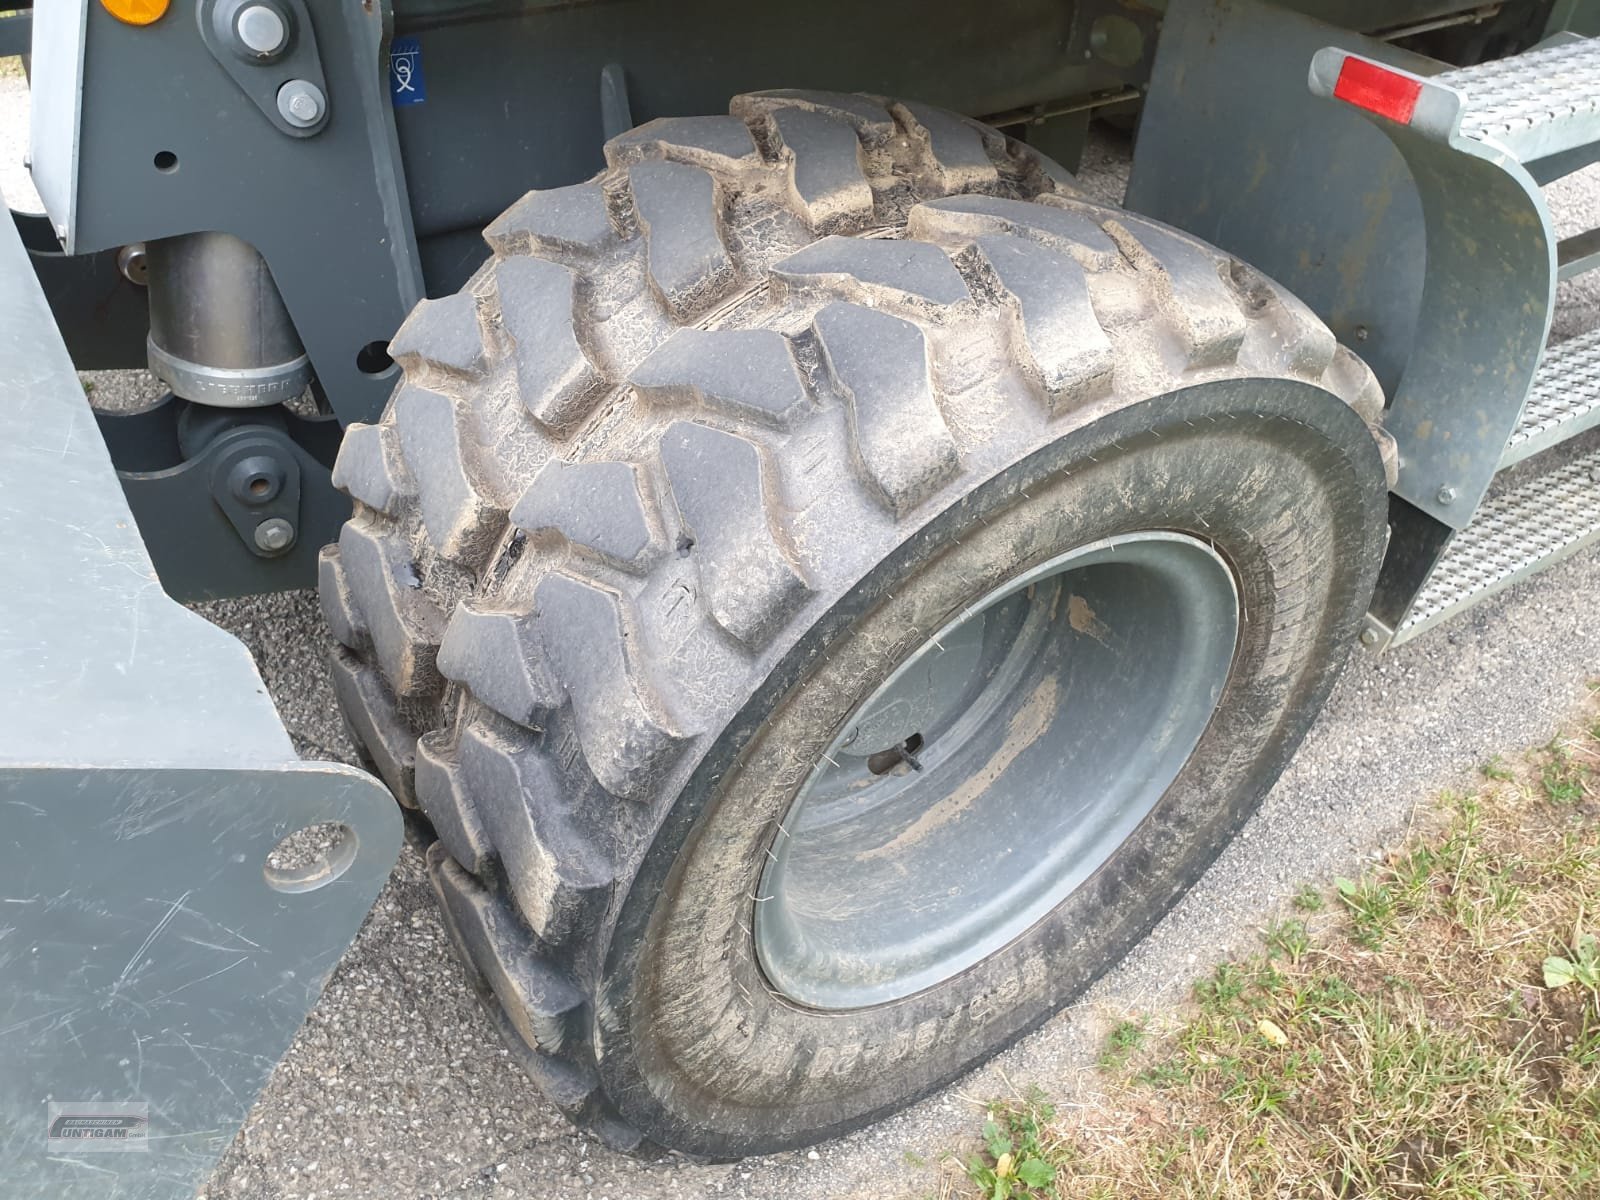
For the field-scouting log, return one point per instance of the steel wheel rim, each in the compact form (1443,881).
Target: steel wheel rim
(995,770)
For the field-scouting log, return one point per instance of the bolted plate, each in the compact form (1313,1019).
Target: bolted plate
(151,972)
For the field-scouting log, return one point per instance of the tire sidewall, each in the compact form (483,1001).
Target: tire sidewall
(1283,479)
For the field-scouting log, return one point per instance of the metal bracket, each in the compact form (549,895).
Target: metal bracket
(157,162)
(255,480)
(269,74)
(157,962)
(204,527)
(102,315)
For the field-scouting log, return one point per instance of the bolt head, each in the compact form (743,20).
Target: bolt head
(275,535)
(1447,495)
(261,30)
(1369,637)
(301,103)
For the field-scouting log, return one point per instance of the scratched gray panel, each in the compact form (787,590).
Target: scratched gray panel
(144,777)
(144,958)
(83,618)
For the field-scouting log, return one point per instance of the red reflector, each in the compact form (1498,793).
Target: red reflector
(1378,90)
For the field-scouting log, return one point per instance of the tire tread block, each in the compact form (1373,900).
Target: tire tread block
(370,467)
(375,724)
(880,362)
(404,624)
(1348,377)
(1055,332)
(1190,288)
(969,217)
(446,333)
(338,605)
(1303,344)
(957,149)
(857,268)
(678,208)
(717,142)
(570,1080)
(545,1005)
(572,219)
(496,657)
(866,115)
(558,381)
(599,505)
(750,576)
(749,374)
(447,804)
(559,877)
(461,523)
(628,737)
(827,180)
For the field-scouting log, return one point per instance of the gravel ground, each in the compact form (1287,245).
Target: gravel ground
(397,1085)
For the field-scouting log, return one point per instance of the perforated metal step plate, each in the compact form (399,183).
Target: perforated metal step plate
(1565,399)
(1513,536)
(1536,104)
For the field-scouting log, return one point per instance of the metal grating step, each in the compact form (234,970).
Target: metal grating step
(1513,536)
(1536,104)
(1564,400)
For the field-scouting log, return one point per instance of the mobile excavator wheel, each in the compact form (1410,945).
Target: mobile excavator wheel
(831,588)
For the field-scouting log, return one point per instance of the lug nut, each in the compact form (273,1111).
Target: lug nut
(274,535)
(261,30)
(301,103)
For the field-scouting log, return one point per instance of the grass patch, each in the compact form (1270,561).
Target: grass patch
(1433,1031)
(1126,1039)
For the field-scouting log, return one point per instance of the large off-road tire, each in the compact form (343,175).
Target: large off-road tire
(780,405)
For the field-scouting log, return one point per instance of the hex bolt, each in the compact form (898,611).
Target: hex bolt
(261,30)
(1369,637)
(1447,495)
(274,535)
(301,103)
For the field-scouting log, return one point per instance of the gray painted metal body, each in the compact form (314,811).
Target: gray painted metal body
(1486,305)
(144,779)
(197,154)
(103,317)
(1306,191)
(1426,245)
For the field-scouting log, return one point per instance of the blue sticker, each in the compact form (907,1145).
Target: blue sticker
(406,85)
